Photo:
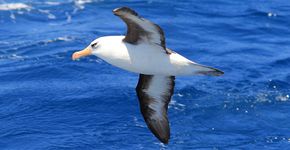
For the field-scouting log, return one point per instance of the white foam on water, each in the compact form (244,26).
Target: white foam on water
(175,105)
(52,3)
(12,16)
(64,38)
(16,57)
(262,97)
(272,96)
(68,20)
(270,14)
(282,98)
(12,57)
(14,6)
(48,13)
(80,4)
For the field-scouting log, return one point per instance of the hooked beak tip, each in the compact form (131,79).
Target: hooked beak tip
(82,53)
(75,56)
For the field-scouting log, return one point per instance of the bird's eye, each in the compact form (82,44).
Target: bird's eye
(94,45)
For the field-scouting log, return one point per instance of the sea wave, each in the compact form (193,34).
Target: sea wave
(14,6)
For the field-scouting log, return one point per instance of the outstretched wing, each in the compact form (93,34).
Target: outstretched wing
(140,29)
(154,93)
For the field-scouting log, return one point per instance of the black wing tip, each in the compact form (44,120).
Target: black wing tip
(118,11)
(210,71)
(164,140)
(160,131)
(217,72)
(214,72)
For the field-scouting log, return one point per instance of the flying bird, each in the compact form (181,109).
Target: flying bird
(143,50)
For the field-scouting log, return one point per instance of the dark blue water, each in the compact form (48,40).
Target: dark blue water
(48,101)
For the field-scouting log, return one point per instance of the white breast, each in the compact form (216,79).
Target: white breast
(142,58)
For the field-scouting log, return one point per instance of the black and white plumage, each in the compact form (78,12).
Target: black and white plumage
(143,50)
(154,93)
(140,29)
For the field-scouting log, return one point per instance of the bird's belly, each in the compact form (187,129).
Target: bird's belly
(145,59)
(161,66)
(153,64)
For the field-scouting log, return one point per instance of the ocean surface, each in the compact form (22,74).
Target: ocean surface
(49,102)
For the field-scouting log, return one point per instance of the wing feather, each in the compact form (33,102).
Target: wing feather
(140,29)
(154,93)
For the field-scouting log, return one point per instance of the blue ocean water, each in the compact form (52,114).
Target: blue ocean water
(48,101)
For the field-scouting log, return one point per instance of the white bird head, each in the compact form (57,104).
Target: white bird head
(91,49)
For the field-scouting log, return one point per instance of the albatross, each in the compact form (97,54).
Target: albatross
(143,50)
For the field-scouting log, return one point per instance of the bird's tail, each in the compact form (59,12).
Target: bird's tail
(206,70)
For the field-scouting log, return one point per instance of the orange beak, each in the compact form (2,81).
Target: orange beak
(87,51)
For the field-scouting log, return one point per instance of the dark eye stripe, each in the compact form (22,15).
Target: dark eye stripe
(93,45)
